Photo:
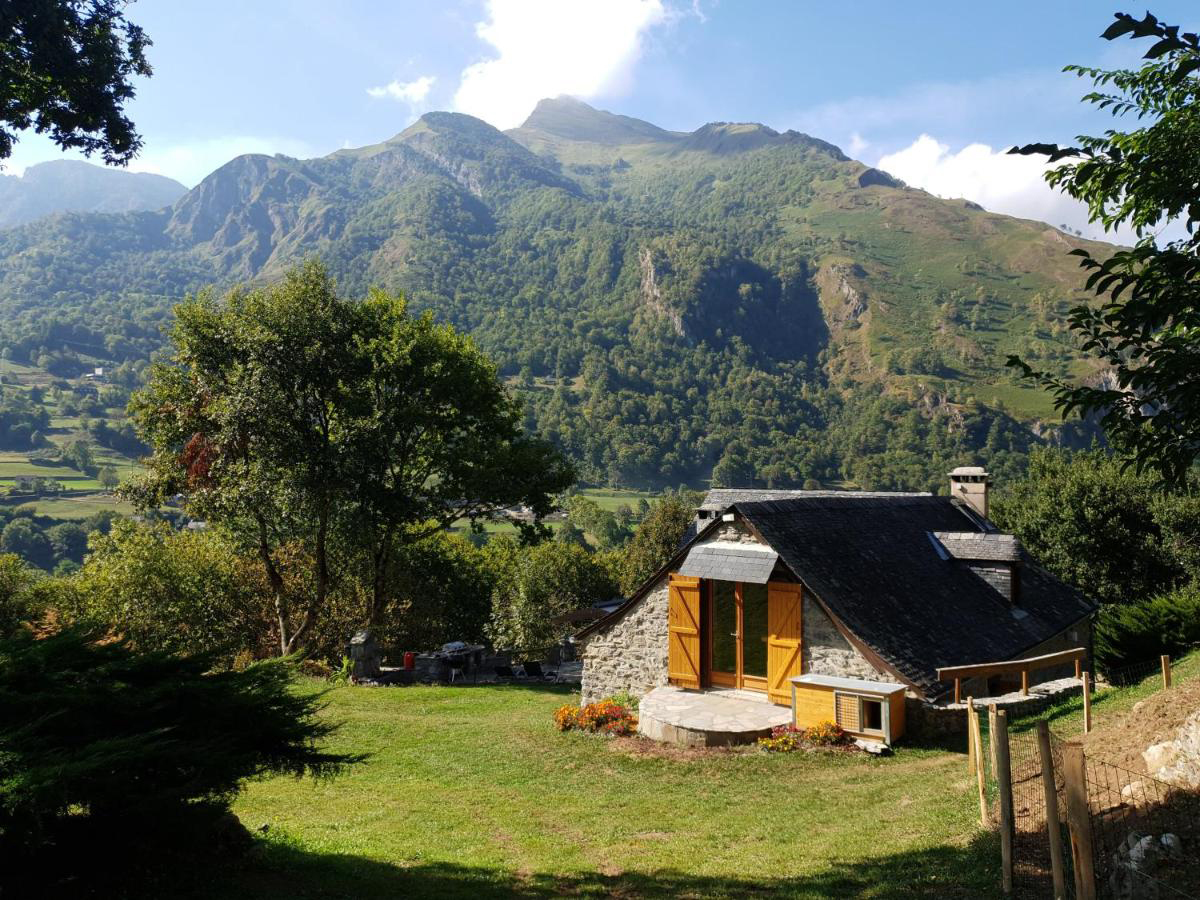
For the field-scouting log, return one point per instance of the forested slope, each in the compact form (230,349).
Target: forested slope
(669,303)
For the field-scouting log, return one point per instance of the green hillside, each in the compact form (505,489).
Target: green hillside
(731,301)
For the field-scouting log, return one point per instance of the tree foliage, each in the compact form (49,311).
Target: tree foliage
(67,68)
(1112,533)
(130,740)
(1145,327)
(656,539)
(301,419)
(536,587)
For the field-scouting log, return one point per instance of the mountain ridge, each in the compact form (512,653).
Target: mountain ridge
(60,186)
(732,300)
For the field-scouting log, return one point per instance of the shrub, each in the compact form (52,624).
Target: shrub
(566,717)
(783,739)
(1135,632)
(825,734)
(604,717)
(127,741)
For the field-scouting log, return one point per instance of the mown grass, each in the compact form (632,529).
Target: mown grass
(470,792)
(1066,716)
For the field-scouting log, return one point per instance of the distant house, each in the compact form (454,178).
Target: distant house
(862,586)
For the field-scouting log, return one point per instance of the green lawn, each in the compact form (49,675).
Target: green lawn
(470,792)
(1108,703)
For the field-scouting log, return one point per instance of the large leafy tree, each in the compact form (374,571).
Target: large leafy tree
(1145,326)
(305,421)
(434,437)
(66,70)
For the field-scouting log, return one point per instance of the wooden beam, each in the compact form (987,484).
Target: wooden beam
(979,767)
(1079,821)
(1010,666)
(1053,822)
(957,690)
(1004,785)
(1087,703)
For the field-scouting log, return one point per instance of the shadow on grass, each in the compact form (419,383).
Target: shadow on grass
(278,870)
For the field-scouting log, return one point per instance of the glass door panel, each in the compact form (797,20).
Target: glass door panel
(724,628)
(754,630)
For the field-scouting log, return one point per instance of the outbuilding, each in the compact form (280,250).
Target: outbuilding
(872,710)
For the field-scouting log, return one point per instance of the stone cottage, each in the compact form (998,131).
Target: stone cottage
(883,587)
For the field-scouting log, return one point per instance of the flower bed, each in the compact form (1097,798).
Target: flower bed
(604,717)
(789,738)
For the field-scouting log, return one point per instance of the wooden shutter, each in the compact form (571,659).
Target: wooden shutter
(683,632)
(785,632)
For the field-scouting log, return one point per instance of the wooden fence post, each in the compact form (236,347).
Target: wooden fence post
(1004,785)
(1087,703)
(1024,682)
(992,733)
(1078,667)
(980,775)
(1053,822)
(1079,821)
(1166,671)
(970,737)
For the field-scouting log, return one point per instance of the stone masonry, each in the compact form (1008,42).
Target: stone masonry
(631,654)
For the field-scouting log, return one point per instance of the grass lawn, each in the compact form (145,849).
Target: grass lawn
(1066,716)
(470,792)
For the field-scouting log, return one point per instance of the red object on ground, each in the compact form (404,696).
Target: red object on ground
(410,660)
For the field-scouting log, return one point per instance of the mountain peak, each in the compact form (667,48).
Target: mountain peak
(572,119)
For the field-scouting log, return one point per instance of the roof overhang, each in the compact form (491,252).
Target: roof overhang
(730,561)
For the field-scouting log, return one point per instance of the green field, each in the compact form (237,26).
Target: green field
(470,792)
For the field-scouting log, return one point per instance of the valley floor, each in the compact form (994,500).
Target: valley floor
(470,792)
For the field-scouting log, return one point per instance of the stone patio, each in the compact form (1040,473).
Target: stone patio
(714,718)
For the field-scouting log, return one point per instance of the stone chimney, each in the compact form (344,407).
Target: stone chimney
(970,485)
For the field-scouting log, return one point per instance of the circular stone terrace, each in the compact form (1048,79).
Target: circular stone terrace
(713,718)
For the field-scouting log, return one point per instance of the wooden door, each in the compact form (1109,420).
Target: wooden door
(785,633)
(683,631)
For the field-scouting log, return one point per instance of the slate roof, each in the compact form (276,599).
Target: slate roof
(752,563)
(870,561)
(980,545)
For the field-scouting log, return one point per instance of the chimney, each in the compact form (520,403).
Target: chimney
(970,485)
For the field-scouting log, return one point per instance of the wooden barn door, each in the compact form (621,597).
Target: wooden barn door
(683,632)
(785,628)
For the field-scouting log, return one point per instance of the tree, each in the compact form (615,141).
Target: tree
(108,478)
(78,455)
(67,69)
(182,591)
(1112,533)
(135,742)
(16,579)
(319,428)
(656,539)
(1146,327)
(535,587)
(433,437)
(23,538)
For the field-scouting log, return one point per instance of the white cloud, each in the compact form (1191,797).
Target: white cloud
(999,182)
(544,48)
(412,92)
(857,145)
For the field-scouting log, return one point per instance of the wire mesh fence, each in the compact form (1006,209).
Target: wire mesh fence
(1134,673)
(1142,834)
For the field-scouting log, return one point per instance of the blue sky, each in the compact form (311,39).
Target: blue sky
(933,91)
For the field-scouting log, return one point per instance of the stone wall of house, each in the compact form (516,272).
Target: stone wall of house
(827,652)
(631,654)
